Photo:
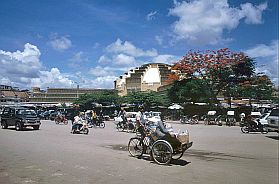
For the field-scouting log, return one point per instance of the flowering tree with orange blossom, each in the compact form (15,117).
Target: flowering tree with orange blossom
(219,70)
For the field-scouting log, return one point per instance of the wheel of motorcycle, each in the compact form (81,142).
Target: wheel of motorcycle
(135,147)
(131,128)
(118,127)
(264,130)
(102,124)
(86,131)
(244,129)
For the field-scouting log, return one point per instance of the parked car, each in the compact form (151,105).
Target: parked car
(45,115)
(53,115)
(263,119)
(131,116)
(273,120)
(19,117)
(1,110)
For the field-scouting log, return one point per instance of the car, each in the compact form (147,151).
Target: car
(273,120)
(53,115)
(131,116)
(19,117)
(263,119)
(1,110)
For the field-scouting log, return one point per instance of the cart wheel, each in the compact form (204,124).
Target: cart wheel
(162,152)
(135,147)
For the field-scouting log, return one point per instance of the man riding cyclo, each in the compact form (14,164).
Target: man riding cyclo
(161,131)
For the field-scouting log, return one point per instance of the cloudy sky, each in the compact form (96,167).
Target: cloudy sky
(63,43)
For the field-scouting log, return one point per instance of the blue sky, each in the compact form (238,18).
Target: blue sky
(61,43)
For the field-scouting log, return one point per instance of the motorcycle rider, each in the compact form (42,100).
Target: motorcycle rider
(251,122)
(77,122)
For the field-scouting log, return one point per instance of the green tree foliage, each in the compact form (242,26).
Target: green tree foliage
(189,90)
(219,71)
(107,96)
(148,99)
(259,87)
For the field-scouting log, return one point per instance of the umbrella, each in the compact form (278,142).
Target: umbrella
(175,106)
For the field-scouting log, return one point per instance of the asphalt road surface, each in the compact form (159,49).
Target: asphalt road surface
(53,155)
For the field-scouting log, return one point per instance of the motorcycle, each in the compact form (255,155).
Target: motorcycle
(81,129)
(61,119)
(99,122)
(124,125)
(253,126)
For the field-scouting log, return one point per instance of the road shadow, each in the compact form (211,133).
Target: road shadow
(23,130)
(212,156)
(146,157)
(173,162)
(273,137)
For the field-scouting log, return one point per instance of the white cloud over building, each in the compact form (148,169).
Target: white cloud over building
(205,21)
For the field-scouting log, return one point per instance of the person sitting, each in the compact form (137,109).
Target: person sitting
(163,133)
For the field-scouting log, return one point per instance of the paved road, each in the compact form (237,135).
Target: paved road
(55,156)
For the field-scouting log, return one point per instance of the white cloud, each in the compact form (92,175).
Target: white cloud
(77,60)
(122,59)
(267,58)
(101,82)
(24,69)
(100,71)
(168,59)
(60,43)
(104,59)
(104,82)
(23,64)
(51,78)
(129,49)
(123,55)
(204,21)
(151,15)
(252,13)
(159,39)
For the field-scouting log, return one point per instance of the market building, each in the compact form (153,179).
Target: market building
(11,95)
(148,77)
(59,95)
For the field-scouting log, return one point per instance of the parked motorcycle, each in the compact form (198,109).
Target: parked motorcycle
(253,126)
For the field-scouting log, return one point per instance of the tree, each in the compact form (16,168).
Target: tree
(189,90)
(259,87)
(148,99)
(101,97)
(220,70)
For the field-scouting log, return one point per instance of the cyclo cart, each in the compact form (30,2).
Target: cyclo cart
(161,151)
(213,119)
(230,119)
